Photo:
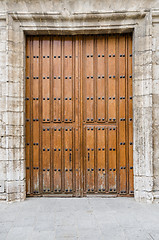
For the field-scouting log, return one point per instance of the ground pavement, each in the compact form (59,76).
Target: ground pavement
(79,218)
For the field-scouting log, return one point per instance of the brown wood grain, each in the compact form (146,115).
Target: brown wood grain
(79,115)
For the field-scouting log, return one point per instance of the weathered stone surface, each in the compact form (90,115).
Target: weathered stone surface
(81,16)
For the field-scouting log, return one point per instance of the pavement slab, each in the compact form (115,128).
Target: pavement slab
(79,218)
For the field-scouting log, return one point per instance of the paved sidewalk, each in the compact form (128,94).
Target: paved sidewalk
(79,218)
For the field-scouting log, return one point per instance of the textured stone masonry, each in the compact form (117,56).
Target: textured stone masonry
(18,18)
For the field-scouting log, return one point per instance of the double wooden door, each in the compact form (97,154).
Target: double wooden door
(79,130)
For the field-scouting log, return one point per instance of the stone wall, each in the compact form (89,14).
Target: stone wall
(18,18)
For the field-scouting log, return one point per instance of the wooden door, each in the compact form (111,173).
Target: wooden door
(79,115)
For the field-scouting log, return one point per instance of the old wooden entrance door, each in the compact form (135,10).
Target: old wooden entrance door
(79,115)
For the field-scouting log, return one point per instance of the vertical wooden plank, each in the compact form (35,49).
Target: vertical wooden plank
(45,65)
(88,81)
(46,150)
(112,158)
(111,79)
(90,158)
(57,79)
(101,158)
(57,159)
(122,114)
(68,79)
(77,114)
(28,115)
(36,113)
(130,116)
(68,157)
(101,80)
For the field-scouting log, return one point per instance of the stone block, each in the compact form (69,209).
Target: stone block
(155,72)
(143,101)
(15,186)
(3,169)
(156,57)
(2,59)
(143,43)
(15,130)
(142,72)
(3,156)
(143,87)
(13,118)
(16,170)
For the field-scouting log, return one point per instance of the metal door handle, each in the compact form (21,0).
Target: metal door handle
(70,157)
(88,156)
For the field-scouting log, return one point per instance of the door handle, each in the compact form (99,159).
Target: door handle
(70,157)
(88,156)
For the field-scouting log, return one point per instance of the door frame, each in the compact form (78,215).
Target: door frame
(21,24)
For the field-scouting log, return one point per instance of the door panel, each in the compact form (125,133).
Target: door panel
(79,112)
